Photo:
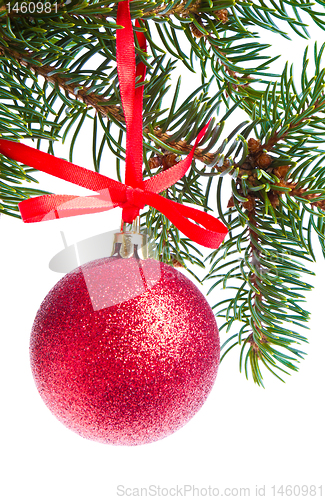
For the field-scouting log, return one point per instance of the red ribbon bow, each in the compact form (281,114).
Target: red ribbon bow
(135,193)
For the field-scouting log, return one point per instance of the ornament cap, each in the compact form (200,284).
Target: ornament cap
(133,243)
(129,244)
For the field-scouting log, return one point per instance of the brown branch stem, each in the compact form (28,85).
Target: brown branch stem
(275,138)
(254,254)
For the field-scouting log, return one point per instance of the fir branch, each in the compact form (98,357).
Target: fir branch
(277,201)
(266,13)
(164,10)
(266,299)
(100,104)
(52,74)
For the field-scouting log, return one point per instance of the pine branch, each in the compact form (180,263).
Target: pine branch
(266,299)
(208,21)
(267,13)
(277,201)
(100,104)
(29,59)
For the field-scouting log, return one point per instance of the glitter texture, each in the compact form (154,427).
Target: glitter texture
(128,373)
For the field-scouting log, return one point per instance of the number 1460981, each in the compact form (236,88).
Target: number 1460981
(32,7)
(297,490)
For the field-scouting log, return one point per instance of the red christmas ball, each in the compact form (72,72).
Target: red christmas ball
(124,351)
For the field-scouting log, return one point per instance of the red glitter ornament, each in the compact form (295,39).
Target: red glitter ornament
(124,351)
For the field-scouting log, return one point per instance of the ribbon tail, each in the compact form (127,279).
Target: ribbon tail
(56,166)
(212,233)
(49,207)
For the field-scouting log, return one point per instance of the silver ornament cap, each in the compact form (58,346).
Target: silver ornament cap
(133,243)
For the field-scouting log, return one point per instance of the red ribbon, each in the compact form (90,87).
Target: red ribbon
(135,193)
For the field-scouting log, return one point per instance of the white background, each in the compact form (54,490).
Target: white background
(243,437)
